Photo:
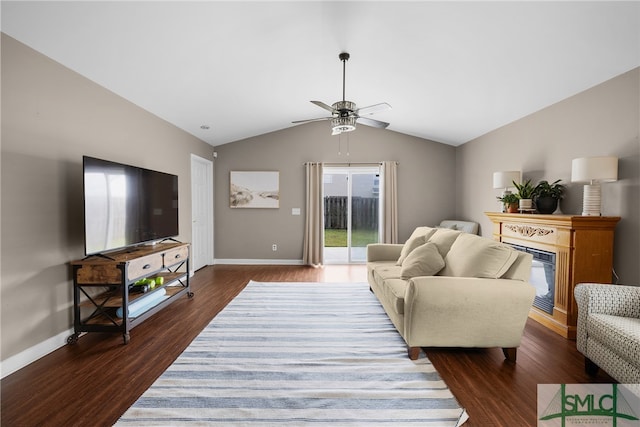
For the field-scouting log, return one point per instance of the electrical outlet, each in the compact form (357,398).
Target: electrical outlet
(274,247)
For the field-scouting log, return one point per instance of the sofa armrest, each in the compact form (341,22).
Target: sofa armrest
(615,300)
(465,311)
(600,298)
(383,251)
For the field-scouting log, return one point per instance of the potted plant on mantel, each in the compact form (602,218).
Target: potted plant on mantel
(510,202)
(546,196)
(525,194)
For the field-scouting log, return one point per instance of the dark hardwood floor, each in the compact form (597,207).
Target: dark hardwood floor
(94,381)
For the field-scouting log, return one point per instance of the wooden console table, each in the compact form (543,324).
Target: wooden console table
(101,286)
(583,248)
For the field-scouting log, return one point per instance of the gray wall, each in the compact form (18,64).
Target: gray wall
(603,120)
(51,116)
(426,176)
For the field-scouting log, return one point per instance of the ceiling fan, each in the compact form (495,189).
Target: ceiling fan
(345,114)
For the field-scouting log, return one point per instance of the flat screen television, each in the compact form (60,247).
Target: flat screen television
(126,205)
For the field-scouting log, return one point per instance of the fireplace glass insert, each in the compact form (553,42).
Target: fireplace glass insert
(543,273)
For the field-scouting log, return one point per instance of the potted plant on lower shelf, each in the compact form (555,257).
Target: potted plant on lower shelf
(510,202)
(546,196)
(525,194)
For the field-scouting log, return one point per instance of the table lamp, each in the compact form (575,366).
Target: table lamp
(505,180)
(593,171)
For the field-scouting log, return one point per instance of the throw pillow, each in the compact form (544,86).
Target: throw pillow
(444,238)
(418,237)
(424,260)
(423,231)
(475,256)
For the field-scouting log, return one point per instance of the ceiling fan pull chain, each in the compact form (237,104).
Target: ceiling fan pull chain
(340,143)
(347,144)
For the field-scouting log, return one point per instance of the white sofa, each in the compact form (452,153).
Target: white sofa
(447,288)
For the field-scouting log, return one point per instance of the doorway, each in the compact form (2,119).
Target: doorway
(351,212)
(201,212)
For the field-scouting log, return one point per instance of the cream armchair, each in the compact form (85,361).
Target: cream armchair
(608,329)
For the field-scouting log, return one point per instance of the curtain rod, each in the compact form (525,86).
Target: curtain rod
(349,163)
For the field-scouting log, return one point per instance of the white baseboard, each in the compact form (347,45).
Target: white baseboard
(30,355)
(258,261)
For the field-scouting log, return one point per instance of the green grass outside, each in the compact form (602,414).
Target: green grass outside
(359,238)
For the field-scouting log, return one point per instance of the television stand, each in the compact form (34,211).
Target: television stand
(103,300)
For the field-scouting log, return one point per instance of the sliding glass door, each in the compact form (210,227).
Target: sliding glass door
(351,213)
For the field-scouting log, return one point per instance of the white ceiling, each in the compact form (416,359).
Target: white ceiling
(451,70)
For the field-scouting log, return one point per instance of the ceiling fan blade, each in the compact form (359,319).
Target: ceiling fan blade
(372,123)
(325,106)
(313,120)
(372,109)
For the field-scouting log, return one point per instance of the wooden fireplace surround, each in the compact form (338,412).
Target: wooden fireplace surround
(584,253)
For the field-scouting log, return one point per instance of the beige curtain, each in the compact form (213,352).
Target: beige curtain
(389,172)
(312,253)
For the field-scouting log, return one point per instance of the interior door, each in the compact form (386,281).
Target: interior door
(201,212)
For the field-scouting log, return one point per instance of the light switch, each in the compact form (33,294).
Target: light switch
(295,211)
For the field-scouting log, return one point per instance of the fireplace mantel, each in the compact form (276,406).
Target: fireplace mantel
(584,253)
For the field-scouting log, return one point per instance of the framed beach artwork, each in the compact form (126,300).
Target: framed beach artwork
(254,189)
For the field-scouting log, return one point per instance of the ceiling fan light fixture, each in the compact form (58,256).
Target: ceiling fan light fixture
(343,124)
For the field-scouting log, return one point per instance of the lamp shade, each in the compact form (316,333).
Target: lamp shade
(594,169)
(505,179)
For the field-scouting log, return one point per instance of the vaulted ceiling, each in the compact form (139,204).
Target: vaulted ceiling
(452,71)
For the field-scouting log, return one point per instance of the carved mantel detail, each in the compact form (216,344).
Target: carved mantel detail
(583,248)
(529,231)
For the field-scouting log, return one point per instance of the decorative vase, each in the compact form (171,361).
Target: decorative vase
(526,204)
(546,205)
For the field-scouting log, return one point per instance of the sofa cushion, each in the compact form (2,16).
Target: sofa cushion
(423,231)
(475,256)
(443,239)
(386,271)
(424,260)
(520,269)
(417,238)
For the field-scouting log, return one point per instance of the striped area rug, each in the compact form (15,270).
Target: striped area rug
(290,354)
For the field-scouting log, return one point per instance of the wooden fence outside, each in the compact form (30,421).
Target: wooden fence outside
(364,212)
